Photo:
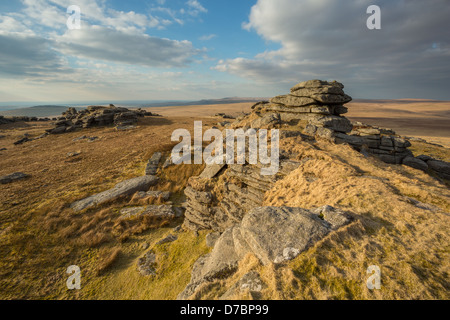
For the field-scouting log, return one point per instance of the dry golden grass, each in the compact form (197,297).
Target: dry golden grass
(409,241)
(107,258)
(427,119)
(40,236)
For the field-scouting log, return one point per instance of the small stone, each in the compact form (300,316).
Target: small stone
(73,154)
(13,177)
(125,128)
(167,163)
(21,141)
(169,238)
(79,138)
(146,265)
(177,228)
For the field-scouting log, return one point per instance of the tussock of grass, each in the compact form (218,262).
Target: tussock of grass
(108,257)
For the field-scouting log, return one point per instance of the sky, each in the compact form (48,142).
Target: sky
(206,49)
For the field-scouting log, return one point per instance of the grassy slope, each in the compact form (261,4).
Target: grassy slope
(41,237)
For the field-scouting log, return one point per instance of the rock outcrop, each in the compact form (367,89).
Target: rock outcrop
(382,143)
(316,102)
(318,106)
(272,234)
(95,116)
(6,120)
(243,188)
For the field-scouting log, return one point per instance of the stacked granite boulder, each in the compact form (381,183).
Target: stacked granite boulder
(314,102)
(383,143)
(95,116)
(318,107)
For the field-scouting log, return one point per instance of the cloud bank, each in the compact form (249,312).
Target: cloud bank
(328,39)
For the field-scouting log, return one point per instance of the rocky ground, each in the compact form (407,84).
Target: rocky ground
(347,196)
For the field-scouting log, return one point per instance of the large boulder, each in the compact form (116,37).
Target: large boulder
(277,234)
(272,234)
(442,168)
(415,163)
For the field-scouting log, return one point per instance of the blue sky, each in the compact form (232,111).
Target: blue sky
(196,49)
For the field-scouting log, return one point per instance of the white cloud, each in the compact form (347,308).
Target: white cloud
(29,56)
(207,37)
(11,25)
(52,13)
(101,43)
(329,39)
(195,8)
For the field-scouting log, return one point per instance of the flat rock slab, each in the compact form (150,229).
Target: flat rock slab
(293,101)
(125,188)
(165,195)
(13,177)
(152,210)
(211,171)
(316,84)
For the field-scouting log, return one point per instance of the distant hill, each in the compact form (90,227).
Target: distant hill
(37,111)
(56,110)
(196,103)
